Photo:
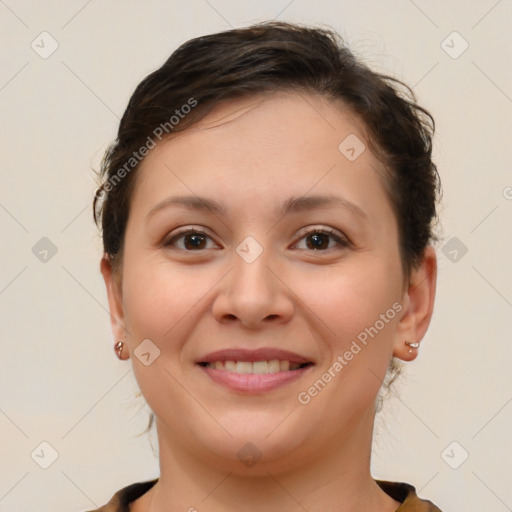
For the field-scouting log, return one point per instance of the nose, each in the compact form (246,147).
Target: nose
(253,294)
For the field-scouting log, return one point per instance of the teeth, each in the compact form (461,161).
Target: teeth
(260,367)
(273,365)
(228,365)
(243,367)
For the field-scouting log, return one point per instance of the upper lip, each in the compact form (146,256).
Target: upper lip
(260,354)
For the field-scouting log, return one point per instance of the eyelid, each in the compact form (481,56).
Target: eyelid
(185,231)
(339,236)
(341,239)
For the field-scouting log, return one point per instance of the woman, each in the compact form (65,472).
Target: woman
(267,213)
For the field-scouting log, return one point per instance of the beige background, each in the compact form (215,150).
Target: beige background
(60,380)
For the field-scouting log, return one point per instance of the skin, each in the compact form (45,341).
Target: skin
(252,155)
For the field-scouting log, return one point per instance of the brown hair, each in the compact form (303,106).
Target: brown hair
(268,57)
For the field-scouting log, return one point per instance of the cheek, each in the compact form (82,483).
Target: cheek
(356,314)
(352,298)
(168,304)
(159,295)
(158,300)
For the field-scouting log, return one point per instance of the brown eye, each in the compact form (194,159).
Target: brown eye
(193,240)
(318,239)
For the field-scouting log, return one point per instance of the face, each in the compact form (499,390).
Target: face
(284,243)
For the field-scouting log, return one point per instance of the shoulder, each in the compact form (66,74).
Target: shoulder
(120,501)
(406,495)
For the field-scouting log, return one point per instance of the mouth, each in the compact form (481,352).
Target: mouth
(258,367)
(254,371)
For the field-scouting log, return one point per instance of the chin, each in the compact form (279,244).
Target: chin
(251,453)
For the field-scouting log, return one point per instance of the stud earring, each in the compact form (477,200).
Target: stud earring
(118,347)
(412,345)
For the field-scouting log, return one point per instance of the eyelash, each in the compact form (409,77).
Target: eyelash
(341,240)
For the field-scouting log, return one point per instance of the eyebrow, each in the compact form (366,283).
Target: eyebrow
(292,205)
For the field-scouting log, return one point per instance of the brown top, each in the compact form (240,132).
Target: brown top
(402,492)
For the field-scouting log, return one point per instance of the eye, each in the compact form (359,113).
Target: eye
(319,239)
(316,239)
(193,239)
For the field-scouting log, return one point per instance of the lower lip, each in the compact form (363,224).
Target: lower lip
(253,382)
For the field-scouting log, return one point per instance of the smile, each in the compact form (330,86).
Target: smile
(256,367)
(254,370)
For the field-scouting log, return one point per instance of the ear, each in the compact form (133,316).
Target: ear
(418,302)
(115,302)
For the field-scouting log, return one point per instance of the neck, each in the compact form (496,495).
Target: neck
(338,479)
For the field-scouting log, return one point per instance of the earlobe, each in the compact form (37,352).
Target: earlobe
(115,302)
(419,300)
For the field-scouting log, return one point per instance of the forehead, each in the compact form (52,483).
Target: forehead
(281,117)
(265,146)
(286,122)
